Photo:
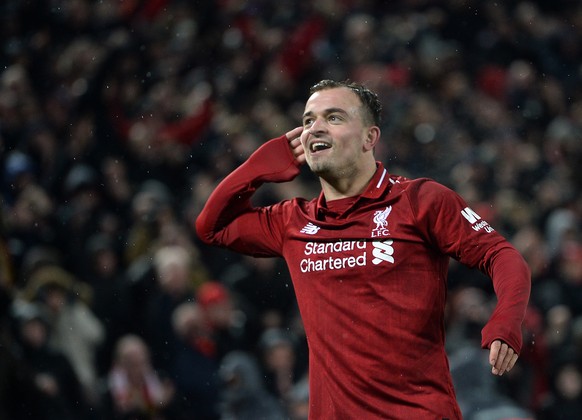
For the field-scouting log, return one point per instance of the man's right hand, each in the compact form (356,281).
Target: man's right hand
(294,138)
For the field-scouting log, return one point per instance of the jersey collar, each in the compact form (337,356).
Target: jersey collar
(378,183)
(376,187)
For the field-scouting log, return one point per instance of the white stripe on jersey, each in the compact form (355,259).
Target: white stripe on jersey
(381,179)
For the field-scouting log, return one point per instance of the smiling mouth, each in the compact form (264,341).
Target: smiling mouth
(318,146)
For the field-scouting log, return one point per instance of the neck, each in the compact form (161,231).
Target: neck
(347,184)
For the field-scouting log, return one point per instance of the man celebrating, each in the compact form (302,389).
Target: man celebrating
(369,260)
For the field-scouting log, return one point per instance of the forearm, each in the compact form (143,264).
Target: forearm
(272,162)
(512,283)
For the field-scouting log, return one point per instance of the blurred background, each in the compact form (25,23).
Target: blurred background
(118,118)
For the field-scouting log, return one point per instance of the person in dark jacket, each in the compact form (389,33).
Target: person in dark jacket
(245,396)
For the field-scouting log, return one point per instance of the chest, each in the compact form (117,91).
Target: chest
(379,239)
(374,263)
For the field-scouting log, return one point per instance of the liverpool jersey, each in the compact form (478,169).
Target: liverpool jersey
(370,281)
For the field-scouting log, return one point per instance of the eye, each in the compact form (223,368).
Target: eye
(307,121)
(334,118)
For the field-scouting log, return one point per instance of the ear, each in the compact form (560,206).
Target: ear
(372,138)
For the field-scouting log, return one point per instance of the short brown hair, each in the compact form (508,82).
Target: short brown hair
(372,105)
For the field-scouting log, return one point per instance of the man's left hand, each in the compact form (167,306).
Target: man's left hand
(502,358)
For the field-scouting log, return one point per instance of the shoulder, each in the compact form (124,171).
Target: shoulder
(303,205)
(415,187)
(293,206)
(295,202)
(426,197)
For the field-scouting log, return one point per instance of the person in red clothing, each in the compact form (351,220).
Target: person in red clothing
(369,260)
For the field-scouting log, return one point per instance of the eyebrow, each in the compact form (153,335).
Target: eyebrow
(327,112)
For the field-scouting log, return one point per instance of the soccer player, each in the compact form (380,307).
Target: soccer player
(369,260)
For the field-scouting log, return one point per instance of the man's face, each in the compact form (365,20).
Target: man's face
(334,133)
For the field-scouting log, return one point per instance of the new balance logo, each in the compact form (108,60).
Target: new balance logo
(310,229)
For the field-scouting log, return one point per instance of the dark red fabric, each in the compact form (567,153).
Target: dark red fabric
(371,282)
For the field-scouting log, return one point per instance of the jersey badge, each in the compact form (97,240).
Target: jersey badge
(381,221)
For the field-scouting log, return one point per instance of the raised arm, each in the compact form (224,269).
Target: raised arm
(228,218)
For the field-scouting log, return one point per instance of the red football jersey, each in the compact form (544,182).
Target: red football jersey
(371,282)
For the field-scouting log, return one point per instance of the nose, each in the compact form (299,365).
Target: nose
(317,126)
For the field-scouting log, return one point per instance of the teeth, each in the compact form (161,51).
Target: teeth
(319,146)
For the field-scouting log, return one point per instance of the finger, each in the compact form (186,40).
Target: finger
(297,150)
(501,358)
(295,133)
(295,143)
(506,361)
(296,147)
(494,352)
(512,362)
(301,158)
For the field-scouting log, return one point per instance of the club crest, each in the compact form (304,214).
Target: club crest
(381,221)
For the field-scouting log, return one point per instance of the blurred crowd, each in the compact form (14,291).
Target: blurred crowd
(117,119)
